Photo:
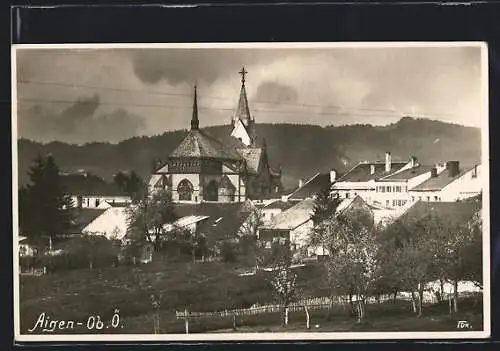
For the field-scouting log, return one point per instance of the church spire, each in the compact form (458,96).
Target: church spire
(195,123)
(242,110)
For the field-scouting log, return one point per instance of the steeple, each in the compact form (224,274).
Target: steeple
(195,123)
(242,110)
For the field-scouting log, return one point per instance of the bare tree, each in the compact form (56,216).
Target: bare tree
(284,282)
(352,262)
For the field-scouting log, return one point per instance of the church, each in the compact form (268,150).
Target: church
(206,169)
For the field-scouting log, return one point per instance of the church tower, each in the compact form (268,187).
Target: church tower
(242,122)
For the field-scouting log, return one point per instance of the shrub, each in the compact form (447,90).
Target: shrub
(228,252)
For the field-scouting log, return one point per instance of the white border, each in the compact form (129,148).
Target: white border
(264,336)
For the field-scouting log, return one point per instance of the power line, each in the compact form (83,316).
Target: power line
(339,107)
(206,108)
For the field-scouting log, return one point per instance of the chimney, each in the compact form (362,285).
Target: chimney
(388,162)
(413,161)
(333,176)
(453,168)
(372,169)
(301,182)
(434,172)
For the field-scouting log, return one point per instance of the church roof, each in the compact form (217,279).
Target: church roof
(198,144)
(252,157)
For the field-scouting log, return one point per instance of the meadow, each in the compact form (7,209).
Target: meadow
(126,290)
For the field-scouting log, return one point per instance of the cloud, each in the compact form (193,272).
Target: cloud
(78,123)
(276,93)
(177,66)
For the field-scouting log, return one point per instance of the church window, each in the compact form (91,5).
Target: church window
(210,191)
(185,190)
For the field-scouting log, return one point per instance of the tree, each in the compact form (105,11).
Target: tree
(130,183)
(248,234)
(44,207)
(325,207)
(458,252)
(352,262)
(284,283)
(148,217)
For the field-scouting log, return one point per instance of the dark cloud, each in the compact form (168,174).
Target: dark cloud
(79,123)
(276,93)
(179,66)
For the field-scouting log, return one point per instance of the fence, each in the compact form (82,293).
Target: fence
(313,304)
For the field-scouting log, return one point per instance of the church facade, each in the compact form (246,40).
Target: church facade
(205,169)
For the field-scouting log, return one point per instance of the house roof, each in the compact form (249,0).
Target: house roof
(83,217)
(281,205)
(199,144)
(455,212)
(293,217)
(313,186)
(362,171)
(440,181)
(407,173)
(221,220)
(88,184)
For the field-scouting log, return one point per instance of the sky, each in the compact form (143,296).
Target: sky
(85,95)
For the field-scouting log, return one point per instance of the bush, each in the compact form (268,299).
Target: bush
(228,252)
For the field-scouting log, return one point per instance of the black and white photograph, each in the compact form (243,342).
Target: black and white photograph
(278,191)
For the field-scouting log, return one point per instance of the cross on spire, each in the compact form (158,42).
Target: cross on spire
(243,73)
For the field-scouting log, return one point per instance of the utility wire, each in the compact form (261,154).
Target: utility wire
(339,107)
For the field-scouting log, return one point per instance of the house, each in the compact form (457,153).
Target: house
(81,218)
(360,179)
(453,184)
(90,191)
(26,248)
(229,169)
(294,225)
(313,186)
(395,184)
(271,210)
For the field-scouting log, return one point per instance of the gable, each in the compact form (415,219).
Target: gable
(240,132)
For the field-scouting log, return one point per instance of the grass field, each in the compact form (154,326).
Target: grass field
(77,295)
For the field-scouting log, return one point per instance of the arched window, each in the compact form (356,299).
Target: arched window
(185,190)
(210,191)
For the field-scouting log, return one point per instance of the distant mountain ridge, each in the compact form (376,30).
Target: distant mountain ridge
(300,150)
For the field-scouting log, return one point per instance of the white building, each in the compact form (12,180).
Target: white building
(452,184)
(90,191)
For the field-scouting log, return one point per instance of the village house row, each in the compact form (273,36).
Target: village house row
(216,185)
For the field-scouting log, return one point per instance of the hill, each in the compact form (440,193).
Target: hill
(301,150)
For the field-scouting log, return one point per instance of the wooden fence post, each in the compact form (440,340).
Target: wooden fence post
(186,321)
(307,316)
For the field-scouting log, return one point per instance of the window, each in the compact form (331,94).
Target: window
(436,198)
(282,241)
(97,202)
(428,198)
(346,195)
(387,202)
(394,202)
(420,197)
(388,189)
(185,190)
(413,198)
(268,244)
